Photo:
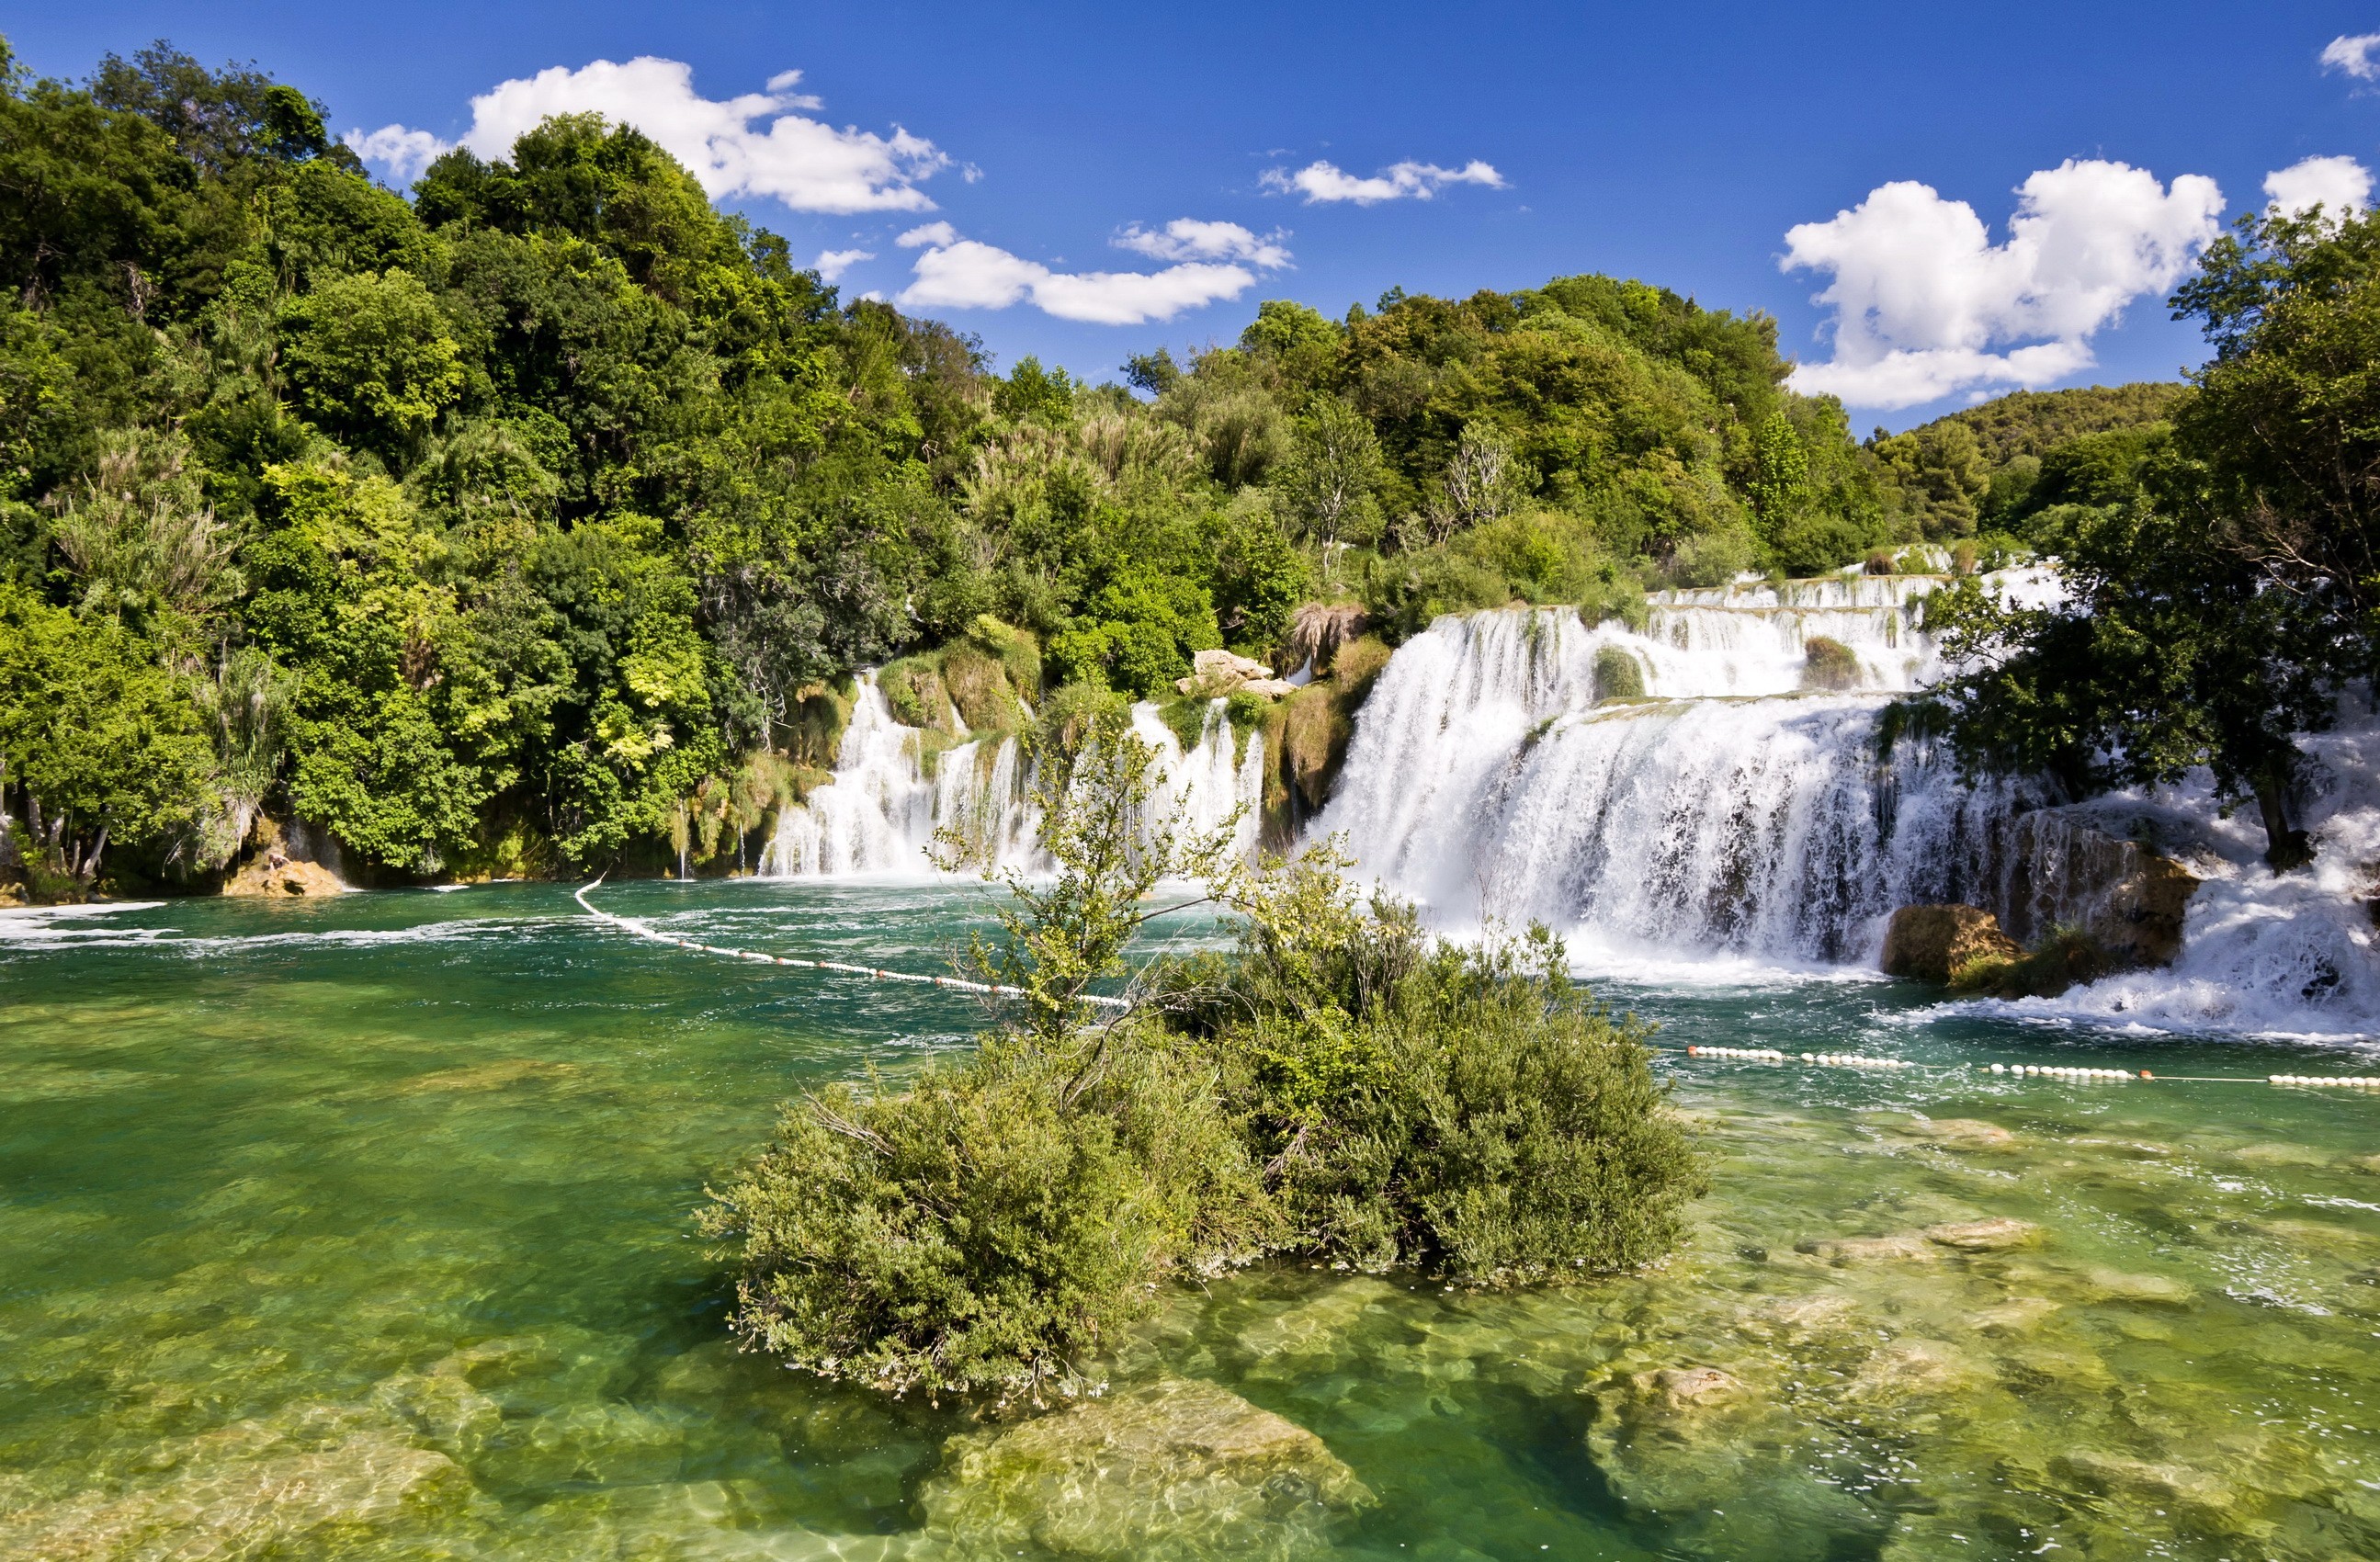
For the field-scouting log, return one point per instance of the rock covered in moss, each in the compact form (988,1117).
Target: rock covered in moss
(1176,1468)
(1929,942)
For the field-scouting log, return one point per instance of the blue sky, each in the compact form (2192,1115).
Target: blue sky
(1677,143)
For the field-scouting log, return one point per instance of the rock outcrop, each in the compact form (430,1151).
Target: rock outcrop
(2063,871)
(1929,942)
(262,876)
(1174,1469)
(1217,672)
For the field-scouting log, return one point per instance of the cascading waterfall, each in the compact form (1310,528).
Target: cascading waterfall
(1725,812)
(1715,814)
(881,812)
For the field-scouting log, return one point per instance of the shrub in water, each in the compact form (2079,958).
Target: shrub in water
(1828,664)
(1468,1112)
(1340,1084)
(1618,675)
(2066,957)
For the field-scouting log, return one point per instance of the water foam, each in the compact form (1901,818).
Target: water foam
(883,811)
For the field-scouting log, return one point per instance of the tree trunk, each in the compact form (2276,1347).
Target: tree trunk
(2286,848)
(89,868)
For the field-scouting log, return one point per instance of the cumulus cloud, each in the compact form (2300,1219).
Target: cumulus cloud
(405,154)
(1926,304)
(2353,56)
(1322,182)
(832,263)
(1212,261)
(2338,184)
(1186,239)
(755,144)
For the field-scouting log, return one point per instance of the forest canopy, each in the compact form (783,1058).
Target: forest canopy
(536,521)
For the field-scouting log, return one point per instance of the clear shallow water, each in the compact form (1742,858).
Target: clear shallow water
(360,1228)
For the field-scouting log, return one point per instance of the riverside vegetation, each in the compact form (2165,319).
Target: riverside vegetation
(535,523)
(1337,1087)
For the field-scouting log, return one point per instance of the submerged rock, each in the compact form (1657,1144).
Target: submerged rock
(2119,1474)
(1724,1464)
(248,1490)
(1175,1470)
(1929,942)
(1963,1133)
(2115,1285)
(1994,1235)
(1907,1247)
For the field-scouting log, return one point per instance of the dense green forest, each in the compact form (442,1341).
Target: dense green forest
(536,521)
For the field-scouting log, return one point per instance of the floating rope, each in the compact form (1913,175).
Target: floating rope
(2025,1070)
(1724,1054)
(644,930)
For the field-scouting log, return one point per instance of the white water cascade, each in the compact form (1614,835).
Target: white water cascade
(1721,812)
(1726,813)
(880,813)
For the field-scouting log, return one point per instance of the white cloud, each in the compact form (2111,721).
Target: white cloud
(832,263)
(757,144)
(1320,182)
(2340,185)
(965,274)
(2353,55)
(405,154)
(1927,305)
(1186,239)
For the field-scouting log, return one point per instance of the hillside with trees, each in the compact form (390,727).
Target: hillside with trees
(536,521)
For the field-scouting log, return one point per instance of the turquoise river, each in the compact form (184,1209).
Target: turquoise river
(360,1228)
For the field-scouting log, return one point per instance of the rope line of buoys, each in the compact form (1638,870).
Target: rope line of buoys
(643,931)
(2020,1070)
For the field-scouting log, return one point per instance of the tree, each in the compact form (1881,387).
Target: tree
(103,745)
(1333,471)
(371,359)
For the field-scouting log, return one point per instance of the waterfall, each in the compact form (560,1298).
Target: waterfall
(1718,813)
(883,810)
(1727,813)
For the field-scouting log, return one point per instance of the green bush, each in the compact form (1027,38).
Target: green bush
(1618,674)
(1339,1086)
(2066,957)
(1828,664)
(1467,1112)
(982,1228)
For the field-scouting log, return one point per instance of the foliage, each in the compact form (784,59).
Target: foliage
(2066,957)
(1618,674)
(1337,1087)
(552,494)
(2218,574)
(100,743)
(1828,664)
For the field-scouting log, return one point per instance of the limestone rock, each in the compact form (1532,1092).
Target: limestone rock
(2016,1315)
(2114,1284)
(290,878)
(2061,869)
(1964,1133)
(1175,1470)
(1682,1389)
(1929,942)
(2118,1475)
(1221,672)
(1840,1251)
(1985,1236)
(245,1490)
